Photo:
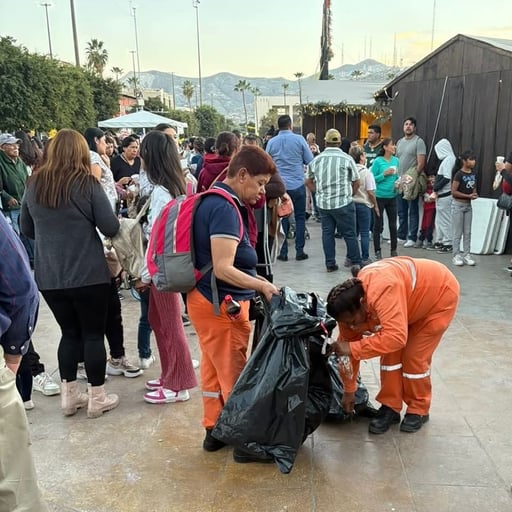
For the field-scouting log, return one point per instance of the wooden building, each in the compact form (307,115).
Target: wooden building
(462,92)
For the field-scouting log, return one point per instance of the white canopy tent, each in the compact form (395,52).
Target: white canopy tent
(141,119)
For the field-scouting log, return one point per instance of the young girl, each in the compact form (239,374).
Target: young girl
(385,172)
(463,192)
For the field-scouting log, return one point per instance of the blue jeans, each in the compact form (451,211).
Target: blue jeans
(408,219)
(144,331)
(364,220)
(298,197)
(14,216)
(344,220)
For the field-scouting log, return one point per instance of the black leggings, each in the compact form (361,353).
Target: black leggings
(390,207)
(114,323)
(81,314)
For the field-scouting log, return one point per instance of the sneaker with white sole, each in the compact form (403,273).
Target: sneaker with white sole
(166,396)
(458,260)
(153,385)
(122,366)
(146,362)
(409,243)
(82,374)
(28,405)
(468,260)
(400,241)
(195,364)
(45,384)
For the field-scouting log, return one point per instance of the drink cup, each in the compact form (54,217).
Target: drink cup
(500,159)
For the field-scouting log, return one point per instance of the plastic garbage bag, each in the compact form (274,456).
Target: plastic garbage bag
(362,406)
(284,391)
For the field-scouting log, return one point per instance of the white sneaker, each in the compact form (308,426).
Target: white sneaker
(195,363)
(400,241)
(122,366)
(45,384)
(468,260)
(457,260)
(82,374)
(409,243)
(29,405)
(146,362)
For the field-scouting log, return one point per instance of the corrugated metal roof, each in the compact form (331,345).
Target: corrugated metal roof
(504,44)
(351,92)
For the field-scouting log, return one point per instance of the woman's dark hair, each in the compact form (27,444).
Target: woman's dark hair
(226,143)
(385,142)
(199,144)
(93,133)
(162,162)
(345,298)
(110,140)
(469,154)
(254,159)
(163,126)
(209,145)
(28,152)
(129,140)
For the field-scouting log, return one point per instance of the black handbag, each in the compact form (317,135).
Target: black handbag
(504,202)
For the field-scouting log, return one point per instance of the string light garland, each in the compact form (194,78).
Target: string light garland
(320,108)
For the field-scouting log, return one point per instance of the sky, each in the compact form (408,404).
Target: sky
(252,38)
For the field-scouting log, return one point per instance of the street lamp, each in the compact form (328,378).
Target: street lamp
(46,5)
(134,14)
(75,35)
(195,5)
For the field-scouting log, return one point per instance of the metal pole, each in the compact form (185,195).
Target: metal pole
(135,80)
(46,5)
(136,41)
(75,36)
(433,26)
(173,93)
(195,5)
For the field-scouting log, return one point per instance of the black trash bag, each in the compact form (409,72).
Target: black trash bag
(265,414)
(362,407)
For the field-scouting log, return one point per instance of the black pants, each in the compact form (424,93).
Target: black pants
(390,207)
(36,367)
(24,378)
(81,314)
(114,323)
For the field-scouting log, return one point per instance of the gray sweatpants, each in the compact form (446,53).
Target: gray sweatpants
(462,215)
(443,223)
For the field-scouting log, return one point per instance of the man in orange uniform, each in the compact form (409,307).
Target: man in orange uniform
(398,309)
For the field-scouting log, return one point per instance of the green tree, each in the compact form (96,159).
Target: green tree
(242,86)
(97,56)
(356,74)
(105,94)
(268,120)
(188,91)
(133,82)
(209,121)
(117,72)
(155,105)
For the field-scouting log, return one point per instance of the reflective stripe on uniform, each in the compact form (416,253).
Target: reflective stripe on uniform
(391,368)
(414,376)
(211,394)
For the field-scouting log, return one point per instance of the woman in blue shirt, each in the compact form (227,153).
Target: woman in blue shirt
(385,172)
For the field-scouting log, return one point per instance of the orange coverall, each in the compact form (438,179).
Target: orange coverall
(410,304)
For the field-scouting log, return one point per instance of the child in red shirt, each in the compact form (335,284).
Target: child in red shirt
(429,214)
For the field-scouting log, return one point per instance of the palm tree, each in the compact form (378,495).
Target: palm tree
(188,91)
(285,88)
(117,72)
(356,74)
(97,56)
(242,86)
(256,92)
(298,76)
(134,82)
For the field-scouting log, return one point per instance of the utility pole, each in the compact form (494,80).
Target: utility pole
(135,79)
(46,5)
(134,14)
(75,36)
(173,92)
(195,5)
(433,26)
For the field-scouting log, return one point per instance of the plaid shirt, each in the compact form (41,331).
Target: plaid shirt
(333,172)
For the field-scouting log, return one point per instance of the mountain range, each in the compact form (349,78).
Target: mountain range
(218,89)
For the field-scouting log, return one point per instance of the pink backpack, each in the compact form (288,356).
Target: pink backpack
(170,254)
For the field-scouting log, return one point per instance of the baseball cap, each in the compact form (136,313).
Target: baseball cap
(7,138)
(333,135)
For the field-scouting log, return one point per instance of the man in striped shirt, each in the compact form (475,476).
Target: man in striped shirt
(334,177)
